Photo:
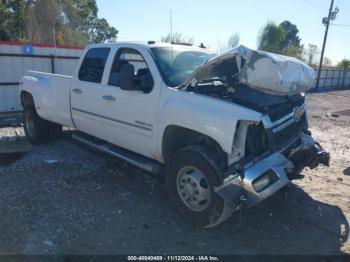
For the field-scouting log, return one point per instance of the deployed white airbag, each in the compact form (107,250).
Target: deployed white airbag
(264,71)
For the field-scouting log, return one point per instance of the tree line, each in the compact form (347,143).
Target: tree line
(284,39)
(73,22)
(280,38)
(76,22)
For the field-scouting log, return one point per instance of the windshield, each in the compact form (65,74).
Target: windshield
(177,64)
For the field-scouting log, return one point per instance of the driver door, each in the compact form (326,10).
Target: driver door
(129,116)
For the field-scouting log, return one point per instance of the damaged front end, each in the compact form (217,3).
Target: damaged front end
(279,152)
(266,155)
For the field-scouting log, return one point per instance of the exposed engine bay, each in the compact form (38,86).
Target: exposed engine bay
(274,105)
(282,130)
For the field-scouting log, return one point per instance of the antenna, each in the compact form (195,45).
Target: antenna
(171,27)
(171,37)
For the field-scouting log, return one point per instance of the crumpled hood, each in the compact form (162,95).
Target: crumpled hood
(263,71)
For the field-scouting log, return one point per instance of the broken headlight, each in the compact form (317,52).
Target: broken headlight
(264,181)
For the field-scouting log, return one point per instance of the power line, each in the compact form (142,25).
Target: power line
(340,25)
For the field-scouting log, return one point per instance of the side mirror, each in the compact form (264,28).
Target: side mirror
(126,74)
(146,83)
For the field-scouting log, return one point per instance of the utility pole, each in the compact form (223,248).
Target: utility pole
(326,21)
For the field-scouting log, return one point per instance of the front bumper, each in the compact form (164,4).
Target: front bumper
(282,165)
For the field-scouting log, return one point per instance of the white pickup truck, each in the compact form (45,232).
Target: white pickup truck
(226,131)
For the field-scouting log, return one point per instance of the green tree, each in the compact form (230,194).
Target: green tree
(291,38)
(101,31)
(45,21)
(66,21)
(281,39)
(17,8)
(311,54)
(87,9)
(294,51)
(5,23)
(271,38)
(344,64)
(82,16)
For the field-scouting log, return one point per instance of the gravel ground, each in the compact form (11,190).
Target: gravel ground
(62,198)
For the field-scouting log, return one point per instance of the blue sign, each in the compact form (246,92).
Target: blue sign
(27,49)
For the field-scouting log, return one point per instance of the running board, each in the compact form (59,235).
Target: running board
(134,159)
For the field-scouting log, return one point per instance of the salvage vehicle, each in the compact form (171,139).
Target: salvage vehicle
(226,131)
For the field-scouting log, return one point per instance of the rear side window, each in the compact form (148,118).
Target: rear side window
(93,65)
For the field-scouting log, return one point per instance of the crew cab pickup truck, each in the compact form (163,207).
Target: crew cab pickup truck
(226,131)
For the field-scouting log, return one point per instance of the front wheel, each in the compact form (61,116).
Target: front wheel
(191,177)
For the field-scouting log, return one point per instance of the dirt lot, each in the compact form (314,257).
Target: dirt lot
(64,199)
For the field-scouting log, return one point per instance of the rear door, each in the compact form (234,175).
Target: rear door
(87,92)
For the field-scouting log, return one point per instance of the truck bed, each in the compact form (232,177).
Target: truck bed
(51,93)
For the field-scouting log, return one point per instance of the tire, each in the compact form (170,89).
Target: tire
(55,131)
(193,173)
(38,130)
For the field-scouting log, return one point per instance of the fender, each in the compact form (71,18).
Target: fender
(50,94)
(28,85)
(210,116)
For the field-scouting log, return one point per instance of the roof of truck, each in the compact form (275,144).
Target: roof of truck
(150,44)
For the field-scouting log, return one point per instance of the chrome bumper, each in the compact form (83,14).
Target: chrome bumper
(236,186)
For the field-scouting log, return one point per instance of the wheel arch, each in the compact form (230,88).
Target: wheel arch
(177,137)
(26,99)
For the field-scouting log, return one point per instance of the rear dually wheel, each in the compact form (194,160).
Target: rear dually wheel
(38,130)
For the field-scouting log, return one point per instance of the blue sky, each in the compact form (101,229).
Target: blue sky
(212,22)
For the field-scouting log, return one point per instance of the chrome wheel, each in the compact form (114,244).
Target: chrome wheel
(193,188)
(30,125)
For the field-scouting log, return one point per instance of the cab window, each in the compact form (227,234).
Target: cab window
(93,65)
(132,57)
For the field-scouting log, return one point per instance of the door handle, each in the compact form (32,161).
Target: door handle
(77,90)
(109,98)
